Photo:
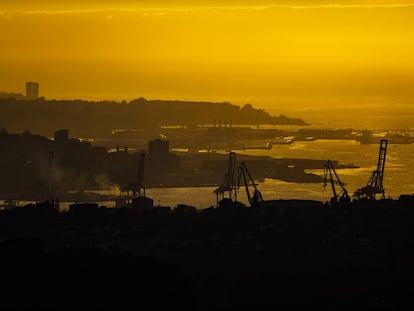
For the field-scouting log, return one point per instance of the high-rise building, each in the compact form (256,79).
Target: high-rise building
(62,136)
(160,160)
(159,148)
(32,90)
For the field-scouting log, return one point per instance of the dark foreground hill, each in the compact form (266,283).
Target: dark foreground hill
(92,119)
(244,258)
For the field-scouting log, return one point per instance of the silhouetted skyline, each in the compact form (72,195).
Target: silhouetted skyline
(192,140)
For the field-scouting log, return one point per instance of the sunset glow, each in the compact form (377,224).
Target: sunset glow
(206,154)
(285,56)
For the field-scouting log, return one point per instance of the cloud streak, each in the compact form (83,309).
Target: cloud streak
(163,11)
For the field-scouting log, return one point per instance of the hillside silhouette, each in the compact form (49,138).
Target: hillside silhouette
(93,118)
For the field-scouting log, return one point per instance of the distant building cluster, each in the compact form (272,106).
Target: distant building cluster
(32,90)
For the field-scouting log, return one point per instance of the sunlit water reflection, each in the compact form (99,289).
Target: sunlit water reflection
(398,177)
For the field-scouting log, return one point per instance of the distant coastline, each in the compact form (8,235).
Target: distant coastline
(95,119)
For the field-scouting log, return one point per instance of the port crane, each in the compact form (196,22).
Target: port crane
(140,189)
(244,175)
(228,185)
(341,197)
(51,190)
(375,182)
(137,187)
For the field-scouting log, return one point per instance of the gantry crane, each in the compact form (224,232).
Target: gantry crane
(228,185)
(51,190)
(137,186)
(375,182)
(341,197)
(140,189)
(244,175)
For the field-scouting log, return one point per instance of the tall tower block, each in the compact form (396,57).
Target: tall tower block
(32,90)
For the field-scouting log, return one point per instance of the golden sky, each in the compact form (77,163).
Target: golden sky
(281,55)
